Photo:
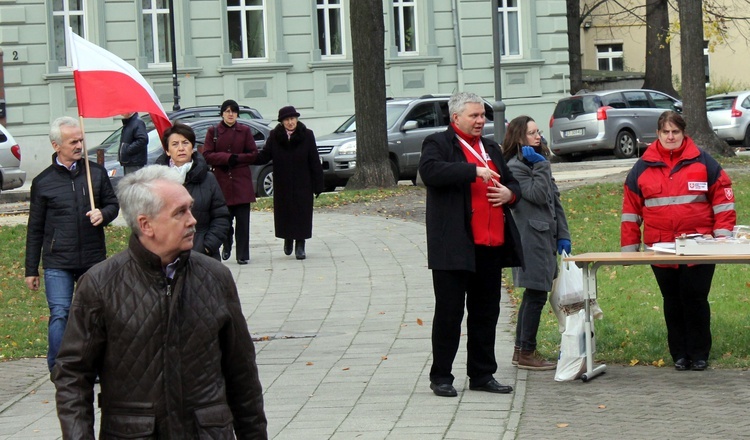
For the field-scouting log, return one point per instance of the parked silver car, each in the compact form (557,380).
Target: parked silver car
(729,115)
(11,174)
(608,120)
(262,174)
(409,121)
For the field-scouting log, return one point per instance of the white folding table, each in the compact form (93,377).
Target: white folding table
(590,262)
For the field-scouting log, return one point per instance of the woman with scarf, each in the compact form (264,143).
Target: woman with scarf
(209,209)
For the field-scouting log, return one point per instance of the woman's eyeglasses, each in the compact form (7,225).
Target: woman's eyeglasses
(534,133)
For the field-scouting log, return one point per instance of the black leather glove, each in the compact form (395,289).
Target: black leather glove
(232,161)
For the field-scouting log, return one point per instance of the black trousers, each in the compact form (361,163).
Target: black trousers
(480,292)
(686,309)
(240,214)
(529,315)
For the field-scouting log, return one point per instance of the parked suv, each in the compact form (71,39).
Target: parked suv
(11,175)
(729,115)
(409,121)
(608,120)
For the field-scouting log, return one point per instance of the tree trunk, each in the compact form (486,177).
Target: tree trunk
(368,51)
(658,61)
(694,80)
(574,45)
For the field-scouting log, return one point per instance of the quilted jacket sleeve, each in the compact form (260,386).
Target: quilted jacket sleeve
(75,365)
(244,391)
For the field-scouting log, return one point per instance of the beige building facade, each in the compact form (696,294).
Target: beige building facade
(614,39)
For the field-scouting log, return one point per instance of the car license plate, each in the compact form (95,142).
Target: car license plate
(571,133)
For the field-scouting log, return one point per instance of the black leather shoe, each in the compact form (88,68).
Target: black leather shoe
(682,364)
(443,389)
(699,365)
(288,246)
(299,249)
(241,261)
(226,254)
(493,386)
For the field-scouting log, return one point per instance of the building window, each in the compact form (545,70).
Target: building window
(330,27)
(405,25)
(66,13)
(706,64)
(156,31)
(246,20)
(609,57)
(510,29)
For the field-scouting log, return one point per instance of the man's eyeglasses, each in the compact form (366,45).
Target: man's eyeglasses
(534,133)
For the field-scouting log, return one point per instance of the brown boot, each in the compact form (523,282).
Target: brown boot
(532,360)
(516,350)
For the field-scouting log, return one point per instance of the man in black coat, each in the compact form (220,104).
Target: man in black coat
(471,236)
(64,230)
(133,152)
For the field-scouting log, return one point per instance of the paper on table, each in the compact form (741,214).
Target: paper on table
(667,247)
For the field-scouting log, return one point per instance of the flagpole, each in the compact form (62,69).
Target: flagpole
(86,161)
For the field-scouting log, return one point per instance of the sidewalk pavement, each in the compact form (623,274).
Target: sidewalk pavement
(343,343)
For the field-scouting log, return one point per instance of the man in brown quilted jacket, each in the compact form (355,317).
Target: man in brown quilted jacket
(163,328)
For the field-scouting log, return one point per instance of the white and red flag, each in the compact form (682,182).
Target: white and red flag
(107,85)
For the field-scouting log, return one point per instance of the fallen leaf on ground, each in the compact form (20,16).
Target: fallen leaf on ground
(419,322)
(563,425)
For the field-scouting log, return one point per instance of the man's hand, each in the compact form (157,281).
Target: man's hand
(95,215)
(32,283)
(499,194)
(486,174)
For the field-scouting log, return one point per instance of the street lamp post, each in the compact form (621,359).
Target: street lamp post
(173,51)
(498,106)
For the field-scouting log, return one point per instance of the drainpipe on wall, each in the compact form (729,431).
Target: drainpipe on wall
(457,38)
(2,89)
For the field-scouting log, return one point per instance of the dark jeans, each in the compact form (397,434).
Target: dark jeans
(241,216)
(529,314)
(58,286)
(686,309)
(480,292)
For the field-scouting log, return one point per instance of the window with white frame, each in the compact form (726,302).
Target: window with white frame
(609,57)
(156,31)
(706,66)
(405,26)
(510,27)
(66,13)
(246,22)
(330,28)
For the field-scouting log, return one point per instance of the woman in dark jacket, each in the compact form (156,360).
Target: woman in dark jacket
(297,176)
(543,226)
(209,208)
(230,148)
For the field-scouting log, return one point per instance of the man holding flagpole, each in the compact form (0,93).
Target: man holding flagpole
(64,229)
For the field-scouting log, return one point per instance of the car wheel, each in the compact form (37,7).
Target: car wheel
(265,182)
(625,145)
(746,140)
(394,170)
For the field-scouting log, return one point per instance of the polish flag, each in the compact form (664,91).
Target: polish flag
(107,85)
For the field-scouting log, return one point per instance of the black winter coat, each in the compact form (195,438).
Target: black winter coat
(133,142)
(297,176)
(175,358)
(58,230)
(448,177)
(209,208)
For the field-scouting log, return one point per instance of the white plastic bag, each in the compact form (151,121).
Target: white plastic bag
(569,286)
(572,361)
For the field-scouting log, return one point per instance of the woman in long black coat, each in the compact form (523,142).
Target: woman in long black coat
(209,208)
(297,177)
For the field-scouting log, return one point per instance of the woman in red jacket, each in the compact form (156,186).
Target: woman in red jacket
(230,148)
(675,189)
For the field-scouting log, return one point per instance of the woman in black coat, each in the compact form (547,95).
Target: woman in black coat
(297,176)
(209,208)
